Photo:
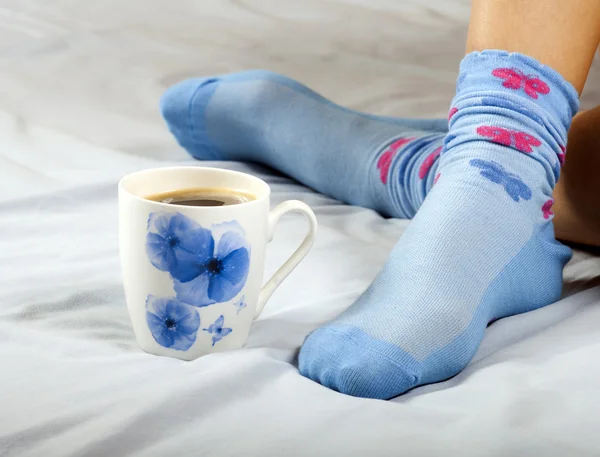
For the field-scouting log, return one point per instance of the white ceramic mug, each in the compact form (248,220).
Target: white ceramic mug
(193,275)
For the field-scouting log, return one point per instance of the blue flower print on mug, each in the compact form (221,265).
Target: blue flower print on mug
(217,330)
(171,234)
(173,324)
(223,268)
(207,266)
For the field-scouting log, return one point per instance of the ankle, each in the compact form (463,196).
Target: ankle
(513,101)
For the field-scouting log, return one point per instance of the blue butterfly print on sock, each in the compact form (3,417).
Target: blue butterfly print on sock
(513,185)
(217,330)
(240,304)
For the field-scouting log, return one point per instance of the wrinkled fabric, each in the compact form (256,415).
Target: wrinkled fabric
(79,90)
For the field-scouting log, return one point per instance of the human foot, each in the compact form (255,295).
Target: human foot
(480,248)
(377,162)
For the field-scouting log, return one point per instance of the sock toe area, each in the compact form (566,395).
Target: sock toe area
(182,107)
(349,361)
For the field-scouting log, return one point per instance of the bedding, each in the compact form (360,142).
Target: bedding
(79,89)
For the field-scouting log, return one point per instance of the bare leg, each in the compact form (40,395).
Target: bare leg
(561,34)
(577,193)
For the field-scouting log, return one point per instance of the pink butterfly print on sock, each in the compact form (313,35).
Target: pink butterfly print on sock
(515,79)
(428,162)
(561,156)
(547,209)
(452,112)
(385,161)
(520,140)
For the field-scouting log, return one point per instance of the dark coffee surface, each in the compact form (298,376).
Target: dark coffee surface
(202,197)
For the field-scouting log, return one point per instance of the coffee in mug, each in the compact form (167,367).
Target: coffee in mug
(203,197)
(192,243)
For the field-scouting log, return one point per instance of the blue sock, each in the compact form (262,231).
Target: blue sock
(481,247)
(377,162)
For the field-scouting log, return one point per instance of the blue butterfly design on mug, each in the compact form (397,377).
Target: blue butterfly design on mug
(217,330)
(240,304)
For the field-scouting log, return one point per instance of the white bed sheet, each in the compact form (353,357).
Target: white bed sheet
(79,85)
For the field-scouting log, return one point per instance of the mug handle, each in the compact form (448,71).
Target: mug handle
(293,261)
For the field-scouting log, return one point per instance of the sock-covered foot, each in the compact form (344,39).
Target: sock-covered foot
(480,248)
(377,162)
